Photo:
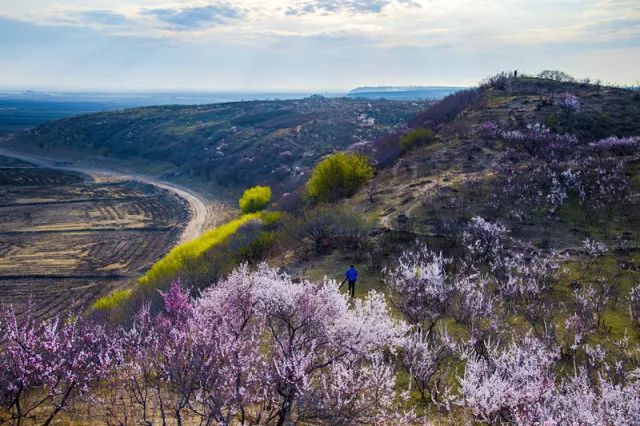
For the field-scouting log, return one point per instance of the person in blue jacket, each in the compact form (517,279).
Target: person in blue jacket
(351,276)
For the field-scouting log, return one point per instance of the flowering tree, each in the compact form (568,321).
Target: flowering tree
(473,301)
(423,355)
(536,139)
(589,305)
(579,400)
(525,274)
(49,366)
(484,240)
(570,102)
(575,332)
(615,145)
(420,286)
(505,385)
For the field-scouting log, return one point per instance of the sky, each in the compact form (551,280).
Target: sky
(309,45)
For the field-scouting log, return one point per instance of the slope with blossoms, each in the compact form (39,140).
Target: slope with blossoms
(495,157)
(505,260)
(528,199)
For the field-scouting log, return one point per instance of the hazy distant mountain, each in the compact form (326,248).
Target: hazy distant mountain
(403,92)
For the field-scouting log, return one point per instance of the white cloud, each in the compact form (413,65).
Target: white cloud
(351,41)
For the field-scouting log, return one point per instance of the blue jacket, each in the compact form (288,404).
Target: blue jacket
(352,274)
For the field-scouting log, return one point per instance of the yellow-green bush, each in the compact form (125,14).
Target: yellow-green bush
(269,218)
(200,261)
(172,262)
(416,137)
(111,300)
(255,199)
(339,175)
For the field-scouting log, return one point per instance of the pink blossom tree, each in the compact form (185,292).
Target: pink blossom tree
(49,366)
(505,385)
(420,286)
(423,356)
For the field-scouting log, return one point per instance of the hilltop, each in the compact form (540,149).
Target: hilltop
(450,181)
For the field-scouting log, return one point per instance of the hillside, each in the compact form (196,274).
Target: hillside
(431,192)
(227,146)
(442,185)
(498,249)
(531,191)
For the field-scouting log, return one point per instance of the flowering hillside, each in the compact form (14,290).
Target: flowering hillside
(261,348)
(499,283)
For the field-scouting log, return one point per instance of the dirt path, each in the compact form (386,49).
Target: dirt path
(198,211)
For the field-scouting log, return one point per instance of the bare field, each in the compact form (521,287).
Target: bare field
(66,239)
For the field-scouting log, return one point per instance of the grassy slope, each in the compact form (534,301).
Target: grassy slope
(448,182)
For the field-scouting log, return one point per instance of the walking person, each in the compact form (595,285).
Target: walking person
(351,276)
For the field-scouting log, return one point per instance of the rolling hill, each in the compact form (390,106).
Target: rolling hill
(224,146)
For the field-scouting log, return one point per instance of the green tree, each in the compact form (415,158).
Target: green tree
(416,137)
(338,175)
(255,199)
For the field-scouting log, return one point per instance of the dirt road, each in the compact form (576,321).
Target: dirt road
(198,211)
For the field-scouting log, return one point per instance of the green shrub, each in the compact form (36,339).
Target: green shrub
(112,300)
(174,261)
(339,175)
(416,137)
(270,218)
(255,199)
(198,262)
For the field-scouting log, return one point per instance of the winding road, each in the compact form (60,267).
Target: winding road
(198,211)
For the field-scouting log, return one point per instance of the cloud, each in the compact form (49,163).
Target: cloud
(196,17)
(351,6)
(103,17)
(615,26)
(86,44)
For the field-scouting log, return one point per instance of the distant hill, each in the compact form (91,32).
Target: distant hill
(25,109)
(228,145)
(404,93)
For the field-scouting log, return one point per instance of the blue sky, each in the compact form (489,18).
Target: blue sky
(310,45)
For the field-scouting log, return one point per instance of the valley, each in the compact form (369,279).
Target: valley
(68,237)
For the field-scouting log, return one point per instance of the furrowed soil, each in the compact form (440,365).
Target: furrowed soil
(67,238)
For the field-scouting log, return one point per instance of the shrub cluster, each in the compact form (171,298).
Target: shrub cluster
(192,261)
(255,199)
(556,75)
(175,261)
(338,175)
(325,227)
(416,137)
(500,81)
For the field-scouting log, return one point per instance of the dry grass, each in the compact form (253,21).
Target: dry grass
(65,241)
